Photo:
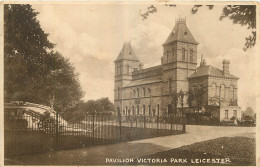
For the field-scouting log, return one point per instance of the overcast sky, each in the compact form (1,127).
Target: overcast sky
(92,35)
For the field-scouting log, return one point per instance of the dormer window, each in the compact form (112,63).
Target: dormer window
(185,33)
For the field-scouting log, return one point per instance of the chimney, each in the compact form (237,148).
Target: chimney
(225,64)
(141,65)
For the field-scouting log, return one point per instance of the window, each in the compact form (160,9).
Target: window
(213,89)
(222,91)
(144,91)
(191,55)
(149,110)
(128,68)
(118,93)
(137,92)
(232,92)
(235,113)
(143,109)
(133,110)
(167,56)
(226,114)
(153,112)
(173,54)
(137,109)
(183,54)
(170,84)
(126,111)
(158,109)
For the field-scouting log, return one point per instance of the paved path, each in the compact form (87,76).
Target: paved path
(92,155)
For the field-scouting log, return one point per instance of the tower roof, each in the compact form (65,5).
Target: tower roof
(127,53)
(180,33)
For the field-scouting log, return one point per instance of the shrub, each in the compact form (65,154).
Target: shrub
(214,121)
(204,120)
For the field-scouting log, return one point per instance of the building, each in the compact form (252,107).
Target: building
(140,91)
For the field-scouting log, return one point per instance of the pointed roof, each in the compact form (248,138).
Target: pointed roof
(180,33)
(209,70)
(127,53)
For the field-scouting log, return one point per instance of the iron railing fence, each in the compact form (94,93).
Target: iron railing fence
(27,133)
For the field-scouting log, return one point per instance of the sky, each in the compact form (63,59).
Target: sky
(92,35)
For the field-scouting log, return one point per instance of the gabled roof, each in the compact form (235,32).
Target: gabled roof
(127,53)
(180,33)
(209,70)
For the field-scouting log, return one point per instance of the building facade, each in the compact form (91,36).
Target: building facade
(140,91)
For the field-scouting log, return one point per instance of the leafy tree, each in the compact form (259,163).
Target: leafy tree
(33,71)
(249,112)
(173,101)
(190,98)
(196,97)
(245,15)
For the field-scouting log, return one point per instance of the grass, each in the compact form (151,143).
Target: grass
(240,150)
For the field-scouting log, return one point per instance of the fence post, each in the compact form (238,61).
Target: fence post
(171,123)
(183,125)
(56,129)
(157,124)
(119,126)
(93,128)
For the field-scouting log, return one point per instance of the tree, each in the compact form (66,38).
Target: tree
(249,112)
(239,14)
(190,98)
(33,71)
(197,96)
(173,101)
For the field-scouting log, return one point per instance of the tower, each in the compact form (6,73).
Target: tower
(179,58)
(125,63)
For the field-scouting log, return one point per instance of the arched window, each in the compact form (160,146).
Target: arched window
(118,94)
(158,109)
(137,92)
(170,85)
(133,110)
(144,91)
(137,109)
(213,89)
(183,54)
(143,109)
(172,54)
(167,56)
(128,69)
(149,110)
(191,55)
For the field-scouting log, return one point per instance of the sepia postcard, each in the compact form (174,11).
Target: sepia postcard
(113,83)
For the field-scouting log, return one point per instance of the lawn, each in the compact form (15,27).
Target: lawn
(240,151)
